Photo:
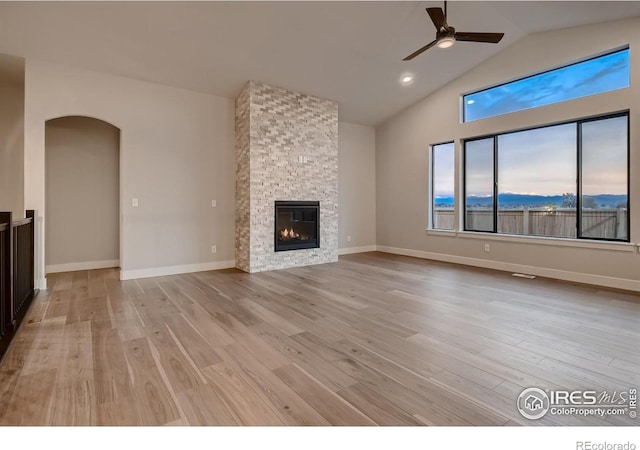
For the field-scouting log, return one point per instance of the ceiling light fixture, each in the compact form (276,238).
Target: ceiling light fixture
(407,79)
(446,42)
(470,102)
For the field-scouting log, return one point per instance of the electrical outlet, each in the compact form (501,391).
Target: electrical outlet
(486,247)
(348,238)
(134,202)
(214,249)
(214,203)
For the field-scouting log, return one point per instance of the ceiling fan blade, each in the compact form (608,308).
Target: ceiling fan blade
(437,17)
(492,38)
(423,49)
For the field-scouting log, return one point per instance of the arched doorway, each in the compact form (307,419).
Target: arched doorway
(82,194)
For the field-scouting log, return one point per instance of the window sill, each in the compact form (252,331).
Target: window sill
(446,233)
(544,240)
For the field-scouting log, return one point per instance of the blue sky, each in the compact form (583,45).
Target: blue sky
(543,161)
(590,77)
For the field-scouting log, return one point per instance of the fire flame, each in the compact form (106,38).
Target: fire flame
(289,234)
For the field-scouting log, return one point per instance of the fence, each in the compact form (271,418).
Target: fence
(610,223)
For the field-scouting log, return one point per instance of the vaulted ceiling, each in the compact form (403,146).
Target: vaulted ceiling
(347,51)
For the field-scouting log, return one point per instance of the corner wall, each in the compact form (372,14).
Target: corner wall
(357,180)
(402,151)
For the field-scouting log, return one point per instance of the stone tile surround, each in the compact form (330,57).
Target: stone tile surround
(274,129)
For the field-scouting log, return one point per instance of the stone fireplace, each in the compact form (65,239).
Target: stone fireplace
(286,179)
(297,225)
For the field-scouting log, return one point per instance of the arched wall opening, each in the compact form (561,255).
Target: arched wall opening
(82,194)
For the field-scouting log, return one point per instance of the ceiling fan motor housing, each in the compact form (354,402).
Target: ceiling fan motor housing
(447,32)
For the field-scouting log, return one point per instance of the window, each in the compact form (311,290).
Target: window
(535,168)
(604,182)
(569,180)
(479,185)
(442,186)
(593,76)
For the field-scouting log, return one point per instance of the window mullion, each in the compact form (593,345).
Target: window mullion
(495,184)
(579,180)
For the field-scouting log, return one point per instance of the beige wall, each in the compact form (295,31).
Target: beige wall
(402,160)
(82,194)
(176,156)
(357,186)
(11,147)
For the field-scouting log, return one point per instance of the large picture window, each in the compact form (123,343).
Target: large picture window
(569,180)
(593,76)
(535,169)
(442,186)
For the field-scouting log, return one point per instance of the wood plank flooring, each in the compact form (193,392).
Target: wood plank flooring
(374,339)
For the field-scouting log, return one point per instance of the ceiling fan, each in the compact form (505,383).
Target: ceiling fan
(446,35)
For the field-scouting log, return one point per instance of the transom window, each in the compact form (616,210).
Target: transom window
(593,76)
(569,180)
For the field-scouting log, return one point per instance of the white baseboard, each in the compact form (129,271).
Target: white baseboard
(41,284)
(351,250)
(576,277)
(175,270)
(86,265)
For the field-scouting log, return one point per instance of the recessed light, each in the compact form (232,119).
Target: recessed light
(407,79)
(470,102)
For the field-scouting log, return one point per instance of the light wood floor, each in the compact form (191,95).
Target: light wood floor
(372,339)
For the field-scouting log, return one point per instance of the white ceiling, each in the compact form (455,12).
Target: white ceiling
(347,51)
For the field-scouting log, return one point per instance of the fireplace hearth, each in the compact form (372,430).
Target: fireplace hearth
(297,225)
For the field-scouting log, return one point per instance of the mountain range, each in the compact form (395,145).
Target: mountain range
(510,200)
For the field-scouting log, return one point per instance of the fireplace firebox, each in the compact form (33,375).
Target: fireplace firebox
(297,225)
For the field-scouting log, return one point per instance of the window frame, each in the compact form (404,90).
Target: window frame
(578,123)
(494,139)
(432,196)
(564,66)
